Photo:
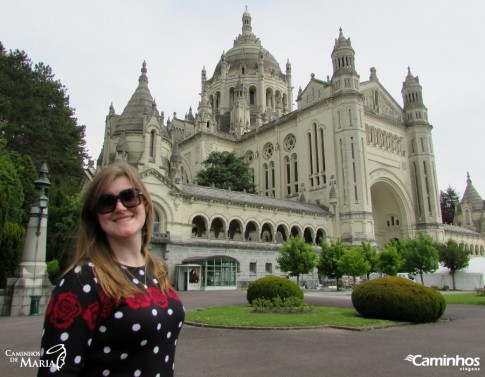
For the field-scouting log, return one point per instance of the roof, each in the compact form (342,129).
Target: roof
(140,104)
(253,200)
(472,196)
(459,229)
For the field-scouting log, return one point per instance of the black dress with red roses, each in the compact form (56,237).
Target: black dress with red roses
(86,333)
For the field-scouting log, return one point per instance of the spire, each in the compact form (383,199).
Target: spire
(246,23)
(415,111)
(143,80)
(471,195)
(343,56)
(154,109)
(139,105)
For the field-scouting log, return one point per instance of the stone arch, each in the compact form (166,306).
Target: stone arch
(267,232)
(321,233)
(159,219)
(217,228)
(235,230)
(269,99)
(281,233)
(199,226)
(251,231)
(186,172)
(308,235)
(295,231)
(166,210)
(390,207)
(253,95)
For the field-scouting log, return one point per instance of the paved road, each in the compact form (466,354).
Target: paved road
(206,352)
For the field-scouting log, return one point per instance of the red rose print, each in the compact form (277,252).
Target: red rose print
(173,295)
(139,301)
(158,297)
(107,304)
(65,310)
(91,314)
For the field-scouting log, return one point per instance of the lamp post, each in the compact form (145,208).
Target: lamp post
(35,299)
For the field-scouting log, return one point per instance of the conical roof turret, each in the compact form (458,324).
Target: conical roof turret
(139,105)
(472,196)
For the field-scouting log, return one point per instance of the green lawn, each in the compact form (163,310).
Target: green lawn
(240,315)
(469,298)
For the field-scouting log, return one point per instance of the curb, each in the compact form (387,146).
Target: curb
(266,328)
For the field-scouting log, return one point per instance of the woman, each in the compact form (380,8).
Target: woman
(113,313)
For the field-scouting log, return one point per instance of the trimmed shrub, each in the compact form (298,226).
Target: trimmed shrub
(271,287)
(399,299)
(292,304)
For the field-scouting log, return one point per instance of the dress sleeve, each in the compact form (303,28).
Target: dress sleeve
(71,318)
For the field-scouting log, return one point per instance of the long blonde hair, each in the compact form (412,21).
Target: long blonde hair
(92,244)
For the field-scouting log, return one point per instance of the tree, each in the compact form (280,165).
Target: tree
(353,262)
(454,257)
(12,237)
(370,253)
(38,121)
(328,261)
(226,171)
(420,255)
(448,201)
(389,260)
(297,257)
(62,226)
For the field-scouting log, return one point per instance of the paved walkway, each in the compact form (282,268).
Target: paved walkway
(207,352)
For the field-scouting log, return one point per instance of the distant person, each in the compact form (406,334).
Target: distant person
(114,312)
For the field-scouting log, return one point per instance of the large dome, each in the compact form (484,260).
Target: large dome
(247,51)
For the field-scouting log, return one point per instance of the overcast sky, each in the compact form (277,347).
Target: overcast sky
(96,49)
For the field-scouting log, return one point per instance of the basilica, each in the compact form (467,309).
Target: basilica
(339,160)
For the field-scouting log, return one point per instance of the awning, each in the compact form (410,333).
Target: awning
(212,258)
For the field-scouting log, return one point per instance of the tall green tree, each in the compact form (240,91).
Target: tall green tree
(226,171)
(12,238)
(327,264)
(62,226)
(297,257)
(454,257)
(370,253)
(389,260)
(448,201)
(420,255)
(39,122)
(353,262)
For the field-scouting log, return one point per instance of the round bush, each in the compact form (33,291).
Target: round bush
(271,287)
(397,298)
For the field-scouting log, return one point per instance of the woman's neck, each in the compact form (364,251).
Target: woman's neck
(128,254)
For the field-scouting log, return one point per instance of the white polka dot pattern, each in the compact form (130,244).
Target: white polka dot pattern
(119,333)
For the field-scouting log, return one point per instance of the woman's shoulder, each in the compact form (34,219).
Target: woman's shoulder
(81,274)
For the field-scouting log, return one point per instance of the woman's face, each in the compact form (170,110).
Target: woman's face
(123,224)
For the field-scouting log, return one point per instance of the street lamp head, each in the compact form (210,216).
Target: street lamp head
(43,201)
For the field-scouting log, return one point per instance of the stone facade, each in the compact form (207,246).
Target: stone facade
(348,163)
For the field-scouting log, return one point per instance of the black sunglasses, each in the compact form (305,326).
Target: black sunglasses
(130,198)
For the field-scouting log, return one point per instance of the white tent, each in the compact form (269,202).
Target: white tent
(468,279)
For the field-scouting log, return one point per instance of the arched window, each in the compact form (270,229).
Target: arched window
(266,179)
(152,144)
(156,222)
(273,179)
